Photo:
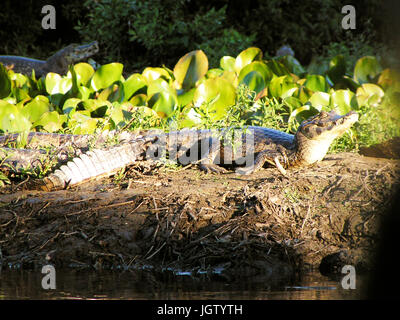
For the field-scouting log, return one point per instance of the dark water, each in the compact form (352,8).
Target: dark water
(145,285)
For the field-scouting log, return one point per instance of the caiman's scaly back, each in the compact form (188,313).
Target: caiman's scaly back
(57,63)
(309,145)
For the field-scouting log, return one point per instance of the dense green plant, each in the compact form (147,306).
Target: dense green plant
(161,29)
(244,90)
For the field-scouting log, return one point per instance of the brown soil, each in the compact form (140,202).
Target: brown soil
(160,218)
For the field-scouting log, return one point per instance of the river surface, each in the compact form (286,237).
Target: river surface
(84,285)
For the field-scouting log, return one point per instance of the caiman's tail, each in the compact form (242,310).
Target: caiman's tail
(94,164)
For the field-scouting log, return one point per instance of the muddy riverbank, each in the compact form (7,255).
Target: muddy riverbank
(152,216)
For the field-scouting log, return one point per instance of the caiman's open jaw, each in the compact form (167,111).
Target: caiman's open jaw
(80,52)
(327,125)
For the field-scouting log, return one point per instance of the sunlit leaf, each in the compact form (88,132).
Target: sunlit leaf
(150,74)
(106,75)
(190,68)
(5,83)
(34,109)
(51,121)
(247,56)
(258,66)
(133,84)
(139,100)
(337,68)
(320,100)
(292,64)
(218,93)
(84,73)
(277,68)
(301,114)
(282,87)
(343,101)
(388,78)
(254,80)
(227,63)
(369,94)
(316,83)
(366,69)
(55,84)
(11,119)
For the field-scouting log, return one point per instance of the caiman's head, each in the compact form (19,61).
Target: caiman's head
(75,53)
(72,54)
(315,135)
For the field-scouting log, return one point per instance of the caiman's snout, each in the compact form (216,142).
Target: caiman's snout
(86,50)
(327,124)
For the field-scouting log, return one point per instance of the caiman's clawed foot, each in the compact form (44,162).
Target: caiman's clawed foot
(210,167)
(245,170)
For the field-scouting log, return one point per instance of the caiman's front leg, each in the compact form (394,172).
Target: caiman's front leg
(213,153)
(272,156)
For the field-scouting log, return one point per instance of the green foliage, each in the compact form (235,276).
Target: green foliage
(158,31)
(246,90)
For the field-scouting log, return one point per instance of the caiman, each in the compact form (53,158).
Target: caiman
(248,150)
(57,63)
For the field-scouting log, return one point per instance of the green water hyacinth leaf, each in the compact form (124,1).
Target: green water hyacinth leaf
(227,63)
(258,66)
(346,83)
(84,73)
(389,78)
(316,82)
(117,115)
(255,81)
(369,94)
(136,82)
(366,69)
(152,74)
(83,124)
(301,114)
(113,93)
(320,100)
(55,84)
(51,121)
(11,118)
(84,93)
(139,100)
(163,103)
(70,105)
(190,118)
(160,85)
(282,87)
(292,102)
(106,75)
(218,93)
(191,68)
(34,109)
(337,68)
(292,65)
(303,94)
(5,83)
(343,101)
(246,57)
(215,72)
(185,97)
(277,68)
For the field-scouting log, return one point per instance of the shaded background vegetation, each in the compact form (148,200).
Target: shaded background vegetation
(142,33)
